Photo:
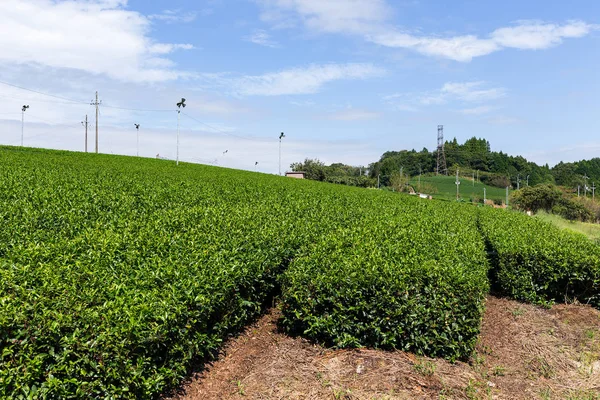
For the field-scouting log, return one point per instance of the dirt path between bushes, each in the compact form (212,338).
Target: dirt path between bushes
(524,352)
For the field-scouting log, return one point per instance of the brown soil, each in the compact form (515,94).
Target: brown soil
(524,352)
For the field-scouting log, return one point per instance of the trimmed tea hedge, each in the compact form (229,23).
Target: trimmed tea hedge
(117,274)
(410,278)
(535,261)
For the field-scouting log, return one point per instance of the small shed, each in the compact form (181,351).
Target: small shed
(295,174)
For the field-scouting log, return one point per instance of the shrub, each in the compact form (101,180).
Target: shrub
(537,262)
(535,198)
(412,281)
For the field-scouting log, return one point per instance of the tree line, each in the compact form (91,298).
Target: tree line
(474,156)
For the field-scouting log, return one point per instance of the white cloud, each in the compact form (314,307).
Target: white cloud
(166,48)
(477,110)
(370,19)
(459,48)
(524,35)
(334,16)
(262,38)
(471,91)
(174,16)
(95,36)
(307,80)
(536,35)
(463,92)
(353,114)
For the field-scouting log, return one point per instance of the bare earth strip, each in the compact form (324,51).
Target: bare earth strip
(524,352)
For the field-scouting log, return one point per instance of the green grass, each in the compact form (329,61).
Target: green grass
(446,188)
(590,230)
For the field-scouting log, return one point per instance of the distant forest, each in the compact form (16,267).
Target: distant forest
(473,156)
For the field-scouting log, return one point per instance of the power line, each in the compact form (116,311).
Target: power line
(42,93)
(137,109)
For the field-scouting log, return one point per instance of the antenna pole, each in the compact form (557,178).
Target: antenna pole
(22,125)
(25,107)
(86,132)
(457,185)
(280,137)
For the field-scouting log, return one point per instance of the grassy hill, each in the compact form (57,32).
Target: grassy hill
(445,188)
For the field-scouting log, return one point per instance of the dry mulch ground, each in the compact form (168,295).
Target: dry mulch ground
(524,352)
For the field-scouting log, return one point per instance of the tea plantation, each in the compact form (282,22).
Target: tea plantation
(118,274)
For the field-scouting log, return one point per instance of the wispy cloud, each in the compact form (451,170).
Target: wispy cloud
(477,110)
(524,35)
(307,80)
(371,20)
(174,16)
(463,92)
(471,91)
(262,38)
(334,16)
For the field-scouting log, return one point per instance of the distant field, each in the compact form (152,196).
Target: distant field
(590,230)
(446,188)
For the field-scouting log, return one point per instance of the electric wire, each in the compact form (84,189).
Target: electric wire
(44,94)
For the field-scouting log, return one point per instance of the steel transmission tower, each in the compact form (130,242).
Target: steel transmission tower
(441,155)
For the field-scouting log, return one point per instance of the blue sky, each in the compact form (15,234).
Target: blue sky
(345,80)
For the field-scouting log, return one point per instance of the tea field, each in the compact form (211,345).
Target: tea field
(118,275)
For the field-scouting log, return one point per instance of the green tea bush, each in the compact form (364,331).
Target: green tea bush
(537,262)
(410,278)
(118,274)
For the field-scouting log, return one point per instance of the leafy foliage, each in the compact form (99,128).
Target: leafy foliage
(535,198)
(406,280)
(118,274)
(537,262)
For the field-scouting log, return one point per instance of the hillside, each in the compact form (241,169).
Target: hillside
(120,275)
(474,156)
(445,188)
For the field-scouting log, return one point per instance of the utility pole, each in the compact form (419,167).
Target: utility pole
(484,194)
(441,155)
(23,122)
(527,180)
(179,105)
(518,181)
(473,179)
(593,191)
(137,128)
(585,186)
(457,184)
(85,123)
(378,181)
(578,186)
(96,103)
(281,136)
